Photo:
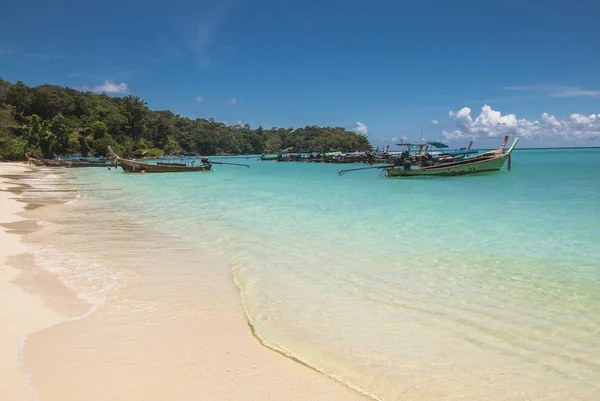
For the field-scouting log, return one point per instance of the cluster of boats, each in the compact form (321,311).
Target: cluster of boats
(415,160)
(330,157)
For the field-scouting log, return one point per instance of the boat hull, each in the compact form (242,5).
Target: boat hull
(130,166)
(68,163)
(53,163)
(84,164)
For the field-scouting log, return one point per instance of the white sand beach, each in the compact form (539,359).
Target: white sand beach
(190,342)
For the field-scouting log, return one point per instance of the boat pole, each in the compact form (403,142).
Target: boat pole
(232,164)
(342,172)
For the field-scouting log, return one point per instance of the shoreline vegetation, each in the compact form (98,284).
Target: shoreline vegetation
(50,119)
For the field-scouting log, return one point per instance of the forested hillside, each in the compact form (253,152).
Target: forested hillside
(50,119)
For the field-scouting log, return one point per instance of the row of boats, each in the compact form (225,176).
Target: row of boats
(331,157)
(439,150)
(416,160)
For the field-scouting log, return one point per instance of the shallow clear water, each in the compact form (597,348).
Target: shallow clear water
(478,286)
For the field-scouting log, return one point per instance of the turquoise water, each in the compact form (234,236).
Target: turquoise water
(484,286)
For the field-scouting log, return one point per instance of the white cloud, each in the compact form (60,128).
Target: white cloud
(435,122)
(111,87)
(491,123)
(399,139)
(199,98)
(557,90)
(197,27)
(361,128)
(232,100)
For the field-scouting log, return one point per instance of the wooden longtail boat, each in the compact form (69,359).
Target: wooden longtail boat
(404,166)
(167,166)
(481,163)
(133,166)
(52,162)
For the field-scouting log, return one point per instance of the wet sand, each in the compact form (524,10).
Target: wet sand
(113,316)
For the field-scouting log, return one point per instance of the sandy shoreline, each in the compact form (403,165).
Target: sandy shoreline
(160,337)
(21,310)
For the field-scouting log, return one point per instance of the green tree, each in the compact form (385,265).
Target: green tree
(12,147)
(32,129)
(4,86)
(59,139)
(50,100)
(135,111)
(97,129)
(20,97)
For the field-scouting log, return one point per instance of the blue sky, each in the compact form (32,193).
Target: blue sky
(393,66)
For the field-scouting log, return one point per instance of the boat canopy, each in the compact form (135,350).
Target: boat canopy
(409,144)
(438,145)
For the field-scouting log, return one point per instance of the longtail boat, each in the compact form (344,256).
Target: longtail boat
(167,165)
(134,166)
(481,163)
(424,165)
(47,162)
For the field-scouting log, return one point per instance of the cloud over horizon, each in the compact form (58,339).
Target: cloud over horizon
(111,87)
(232,101)
(361,128)
(491,124)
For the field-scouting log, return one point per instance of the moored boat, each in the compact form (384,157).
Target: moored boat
(50,162)
(422,164)
(167,165)
(481,163)
(134,166)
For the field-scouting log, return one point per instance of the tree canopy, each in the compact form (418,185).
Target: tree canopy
(50,119)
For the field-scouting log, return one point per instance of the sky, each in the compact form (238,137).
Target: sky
(454,70)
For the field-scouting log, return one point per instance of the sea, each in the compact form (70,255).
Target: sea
(481,287)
